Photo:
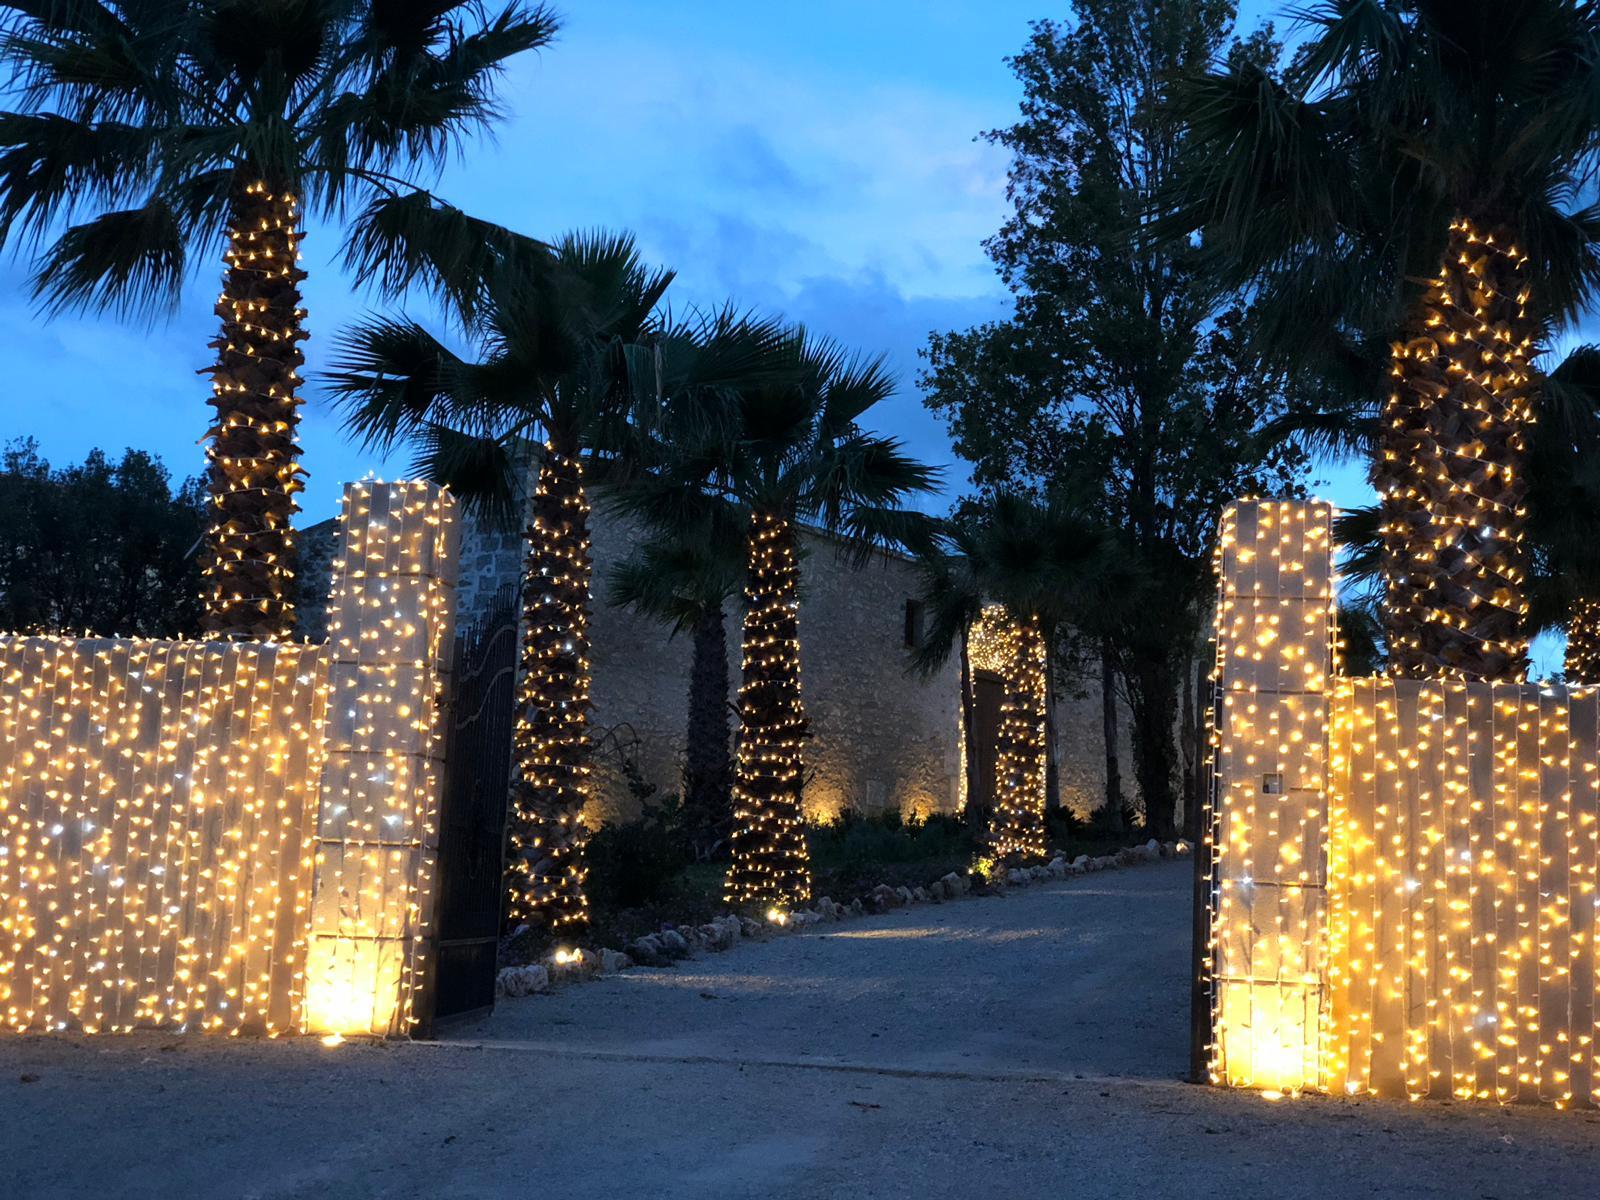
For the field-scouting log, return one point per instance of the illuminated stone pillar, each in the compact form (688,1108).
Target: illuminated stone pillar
(1275,631)
(390,635)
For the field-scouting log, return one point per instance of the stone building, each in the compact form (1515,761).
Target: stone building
(881,738)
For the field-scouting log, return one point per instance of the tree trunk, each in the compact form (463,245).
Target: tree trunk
(770,857)
(1052,768)
(1583,642)
(1153,695)
(973,811)
(546,869)
(1189,740)
(1016,827)
(1451,473)
(706,770)
(248,558)
(1108,725)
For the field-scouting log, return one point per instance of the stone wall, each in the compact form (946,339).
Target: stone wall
(881,738)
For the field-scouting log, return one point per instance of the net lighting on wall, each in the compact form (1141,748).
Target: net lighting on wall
(1275,644)
(227,837)
(1419,919)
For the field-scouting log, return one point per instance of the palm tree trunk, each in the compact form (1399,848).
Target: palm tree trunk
(1583,642)
(1451,474)
(1016,828)
(546,869)
(972,810)
(770,857)
(1108,727)
(248,558)
(706,763)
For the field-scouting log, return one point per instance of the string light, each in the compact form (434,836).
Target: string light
(1452,491)
(1275,643)
(1016,652)
(546,871)
(252,447)
(390,634)
(1419,920)
(1582,663)
(770,866)
(232,838)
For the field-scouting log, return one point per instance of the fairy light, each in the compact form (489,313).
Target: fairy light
(389,638)
(1449,475)
(1275,642)
(770,858)
(1453,953)
(545,868)
(1582,663)
(252,447)
(209,837)
(1016,651)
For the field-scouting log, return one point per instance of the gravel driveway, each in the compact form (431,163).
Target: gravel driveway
(1030,1045)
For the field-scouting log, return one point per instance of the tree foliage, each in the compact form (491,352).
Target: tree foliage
(103,548)
(1125,377)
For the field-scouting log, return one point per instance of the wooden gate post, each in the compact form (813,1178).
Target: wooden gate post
(390,637)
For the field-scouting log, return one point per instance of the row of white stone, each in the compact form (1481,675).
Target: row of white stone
(672,943)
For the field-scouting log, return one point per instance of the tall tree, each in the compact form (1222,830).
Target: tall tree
(560,339)
(102,548)
(1124,374)
(782,448)
(1420,172)
(149,133)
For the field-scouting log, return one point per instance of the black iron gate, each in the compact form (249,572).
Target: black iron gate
(477,775)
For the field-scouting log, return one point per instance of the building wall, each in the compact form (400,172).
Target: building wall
(881,737)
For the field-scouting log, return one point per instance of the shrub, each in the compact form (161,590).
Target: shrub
(637,863)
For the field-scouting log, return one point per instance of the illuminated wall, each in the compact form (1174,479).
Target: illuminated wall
(1462,920)
(232,837)
(1419,918)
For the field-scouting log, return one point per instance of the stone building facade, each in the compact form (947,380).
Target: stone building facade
(881,737)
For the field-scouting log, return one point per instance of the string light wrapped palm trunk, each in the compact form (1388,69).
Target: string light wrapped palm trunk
(546,871)
(253,451)
(1450,474)
(770,859)
(1583,642)
(1016,826)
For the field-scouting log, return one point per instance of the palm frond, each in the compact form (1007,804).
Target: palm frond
(131,261)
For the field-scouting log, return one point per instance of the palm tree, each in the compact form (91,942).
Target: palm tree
(1013,573)
(782,446)
(153,132)
(684,575)
(1419,171)
(1563,507)
(561,339)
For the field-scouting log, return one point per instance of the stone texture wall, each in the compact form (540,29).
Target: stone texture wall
(881,738)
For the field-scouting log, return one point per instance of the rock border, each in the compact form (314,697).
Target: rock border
(672,943)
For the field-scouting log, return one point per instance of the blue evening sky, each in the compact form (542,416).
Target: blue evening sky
(815,159)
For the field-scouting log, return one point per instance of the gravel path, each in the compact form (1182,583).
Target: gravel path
(1030,1043)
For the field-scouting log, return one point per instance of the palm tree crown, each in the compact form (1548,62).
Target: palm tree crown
(148,132)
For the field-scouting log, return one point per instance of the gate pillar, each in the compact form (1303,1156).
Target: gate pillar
(390,638)
(1269,820)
